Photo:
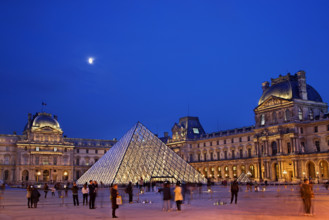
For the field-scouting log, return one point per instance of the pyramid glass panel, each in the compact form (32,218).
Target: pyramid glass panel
(140,154)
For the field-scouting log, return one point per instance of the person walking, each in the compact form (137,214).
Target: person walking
(75,194)
(166,197)
(306,192)
(46,189)
(28,196)
(35,195)
(129,191)
(234,191)
(114,194)
(178,196)
(85,191)
(91,195)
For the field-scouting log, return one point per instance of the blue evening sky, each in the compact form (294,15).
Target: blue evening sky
(153,59)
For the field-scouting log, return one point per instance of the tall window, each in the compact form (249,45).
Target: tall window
(224,141)
(199,157)
(65,149)
(248,138)
(37,160)
(218,156)
(287,115)
(289,148)
(218,141)
(210,143)
(249,152)
(311,114)
(241,153)
(233,154)
(55,160)
(327,127)
(191,157)
(274,148)
(211,156)
(232,140)
(205,156)
(262,120)
(274,118)
(301,130)
(96,151)
(78,162)
(87,151)
(78,150)
(300,114)
(317,145)
(225,155)
(240,139)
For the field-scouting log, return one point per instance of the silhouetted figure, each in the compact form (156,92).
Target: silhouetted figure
(234,191)
(114,194)
(129,191)
(46,189)
(306,192)
(85,191)
(91,195)
(28,196)
(35,197)
(75,191)
(166,197)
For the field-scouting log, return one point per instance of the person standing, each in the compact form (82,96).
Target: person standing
(114,194)
(75,194)
(306,192)
(85,191)
(129,191)
(28,196)
(45,189)
(91,195)
(35,195)
(234,191)
(166,197)
(178,196)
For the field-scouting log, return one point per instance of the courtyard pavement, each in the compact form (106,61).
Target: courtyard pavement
(284,203)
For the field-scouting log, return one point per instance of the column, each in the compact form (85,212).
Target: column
(280,169)
(230,171)
(269,170)
(278,143)
(216,173)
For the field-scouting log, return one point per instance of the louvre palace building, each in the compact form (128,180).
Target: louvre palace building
(289,142)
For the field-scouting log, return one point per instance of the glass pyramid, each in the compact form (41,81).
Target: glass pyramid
(140,154)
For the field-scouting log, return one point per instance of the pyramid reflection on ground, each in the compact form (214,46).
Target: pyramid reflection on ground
(139,153)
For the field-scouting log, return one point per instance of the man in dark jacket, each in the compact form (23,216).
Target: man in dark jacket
(306,192)
(114,194)
(35,195)
(166,197)
(75,191)
(92,195)
(234,191)
(129,191)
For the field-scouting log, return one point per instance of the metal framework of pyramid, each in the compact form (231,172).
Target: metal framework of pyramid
(140,154)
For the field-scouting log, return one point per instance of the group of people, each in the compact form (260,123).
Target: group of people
(32,196)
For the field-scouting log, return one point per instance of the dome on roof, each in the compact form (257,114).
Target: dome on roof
(288,89)
(45,120)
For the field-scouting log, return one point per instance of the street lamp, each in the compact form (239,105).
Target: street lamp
(38,174)
(317,176)
(284,174)
(65,175)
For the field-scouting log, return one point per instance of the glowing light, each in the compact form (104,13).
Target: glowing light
(90,60)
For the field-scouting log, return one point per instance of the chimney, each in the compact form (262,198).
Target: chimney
(265,85)
(166,134)
(302,85)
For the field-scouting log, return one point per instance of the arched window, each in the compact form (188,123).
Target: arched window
(287,115)
(300,114)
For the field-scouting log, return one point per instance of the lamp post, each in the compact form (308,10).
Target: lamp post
(317,176)
(285,175)
(38,174)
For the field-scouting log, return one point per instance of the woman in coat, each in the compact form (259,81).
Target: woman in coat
(35,197)
(178,196)
(28,196)
(166,197)
(114,194)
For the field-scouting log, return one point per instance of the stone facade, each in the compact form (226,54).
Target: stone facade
(43,154)
(289,142)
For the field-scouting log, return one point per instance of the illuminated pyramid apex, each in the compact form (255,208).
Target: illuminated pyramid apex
(140,154)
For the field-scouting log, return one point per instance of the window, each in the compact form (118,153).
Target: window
(96,151)
(65,149)
(316,129)
(289,148)
(199,157)
(55,149)
(317,145)
(274,118)
(87,151)
(327,127)
(274,148)
(218,155)
(205,156)
(37,149)
(78,150)
(96,159)
(300,114)
(211,156)
(248,138)
(224,141)
(55,160)
(25,148)
(287,115)
(232,140)
(104,151)
(191,157)
(249,152)
(210,143)
(241,153)
(225,155)
(198,145)
(301,130)
(240,139)
(262,120)
(218,141)
(233,154)
(78,162)
(311,114)
(37,160)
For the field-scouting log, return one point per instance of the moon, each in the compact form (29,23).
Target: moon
(90,60)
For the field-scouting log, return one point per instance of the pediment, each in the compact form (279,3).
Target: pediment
(273,101)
